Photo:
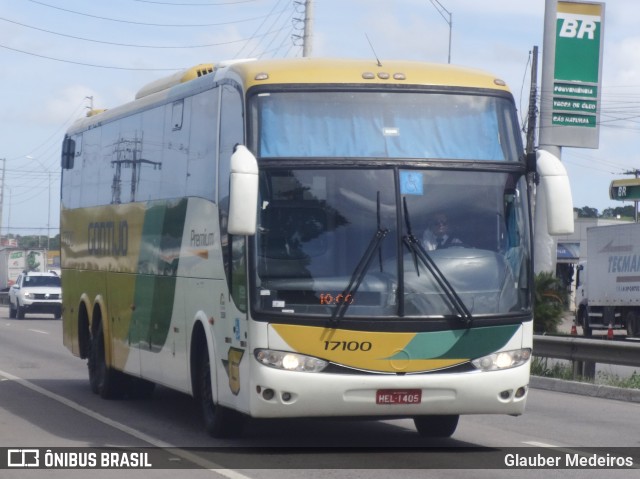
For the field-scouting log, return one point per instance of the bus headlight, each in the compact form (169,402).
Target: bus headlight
(502,360)
(290,361)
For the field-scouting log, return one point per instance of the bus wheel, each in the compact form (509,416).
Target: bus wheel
(436,426)
(219,421)
(103,380)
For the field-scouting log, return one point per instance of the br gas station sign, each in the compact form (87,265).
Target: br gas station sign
(569,106)
(625,190)
(578,38)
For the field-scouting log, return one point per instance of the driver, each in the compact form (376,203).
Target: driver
(439,235)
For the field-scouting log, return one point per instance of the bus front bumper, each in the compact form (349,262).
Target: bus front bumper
(277,393)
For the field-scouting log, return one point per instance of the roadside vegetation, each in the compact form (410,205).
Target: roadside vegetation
(560,370)
(32,241)
(549,303)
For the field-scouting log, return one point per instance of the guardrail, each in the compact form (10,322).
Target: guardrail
(586,353)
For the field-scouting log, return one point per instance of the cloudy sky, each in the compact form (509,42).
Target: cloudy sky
(58,56)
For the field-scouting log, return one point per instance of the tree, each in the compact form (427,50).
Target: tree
(586,212)
(38,242)
(627,211)
(549,303)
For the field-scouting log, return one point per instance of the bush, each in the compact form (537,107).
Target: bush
(548,303)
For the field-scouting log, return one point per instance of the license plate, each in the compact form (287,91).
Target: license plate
(398,396)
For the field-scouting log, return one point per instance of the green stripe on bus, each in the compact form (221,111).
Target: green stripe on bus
(157,268)
(460,343)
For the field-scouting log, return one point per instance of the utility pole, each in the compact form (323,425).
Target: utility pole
(2,194)
(308,29)
(533,111)
(49,214)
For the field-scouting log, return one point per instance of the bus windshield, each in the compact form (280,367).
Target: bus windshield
(362,240)
(344,240)
(374,124)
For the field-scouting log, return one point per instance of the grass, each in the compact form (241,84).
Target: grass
(558,370)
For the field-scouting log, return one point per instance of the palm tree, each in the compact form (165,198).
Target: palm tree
(549,303)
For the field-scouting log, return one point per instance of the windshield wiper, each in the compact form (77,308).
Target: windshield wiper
(418,252)
(362,267)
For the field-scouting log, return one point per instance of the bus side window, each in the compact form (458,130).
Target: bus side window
(68,153)
(177,110)
(233,247)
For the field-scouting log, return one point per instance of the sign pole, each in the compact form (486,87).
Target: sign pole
(569,99)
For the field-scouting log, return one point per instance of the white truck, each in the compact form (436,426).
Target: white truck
(609,296)
(13,261)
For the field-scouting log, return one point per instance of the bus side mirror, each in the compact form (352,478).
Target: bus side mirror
(68,153)
(243,192)
(554,185)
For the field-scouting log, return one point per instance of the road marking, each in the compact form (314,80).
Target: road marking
(38,331)
(212,466)
(538,444)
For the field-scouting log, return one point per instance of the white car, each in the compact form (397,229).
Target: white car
(36,293)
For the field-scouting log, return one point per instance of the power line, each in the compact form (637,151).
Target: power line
(272,24)
(94,65)
(146,24)
(132,45)
(255,33)
(217,4)
(448,17)
(55,136)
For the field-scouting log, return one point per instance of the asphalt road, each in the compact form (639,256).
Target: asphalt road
(45,402)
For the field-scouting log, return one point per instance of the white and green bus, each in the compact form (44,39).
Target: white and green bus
(251,233)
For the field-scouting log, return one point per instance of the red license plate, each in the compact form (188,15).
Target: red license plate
(398,396)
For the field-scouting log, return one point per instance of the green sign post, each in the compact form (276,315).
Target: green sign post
(576,74)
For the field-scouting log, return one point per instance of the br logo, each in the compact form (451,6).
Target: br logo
(574,28)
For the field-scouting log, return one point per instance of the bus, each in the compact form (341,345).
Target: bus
(252,233)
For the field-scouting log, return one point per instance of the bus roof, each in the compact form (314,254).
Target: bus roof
(345,71)
(300,71)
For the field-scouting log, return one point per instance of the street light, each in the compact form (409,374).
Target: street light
(442,11)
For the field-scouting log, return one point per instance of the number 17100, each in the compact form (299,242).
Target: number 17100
(347,346)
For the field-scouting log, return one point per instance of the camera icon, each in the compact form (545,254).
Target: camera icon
(23,458)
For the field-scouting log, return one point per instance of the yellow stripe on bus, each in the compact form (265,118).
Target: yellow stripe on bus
(367,350)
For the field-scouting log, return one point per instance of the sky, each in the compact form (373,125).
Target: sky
(60,57)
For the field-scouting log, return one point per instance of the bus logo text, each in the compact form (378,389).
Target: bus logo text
(108,238)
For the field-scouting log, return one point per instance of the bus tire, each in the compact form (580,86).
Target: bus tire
(103,380)
(436,426)
(219,421)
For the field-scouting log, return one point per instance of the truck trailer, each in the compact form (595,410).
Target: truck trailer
(608,296)
(14,261)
